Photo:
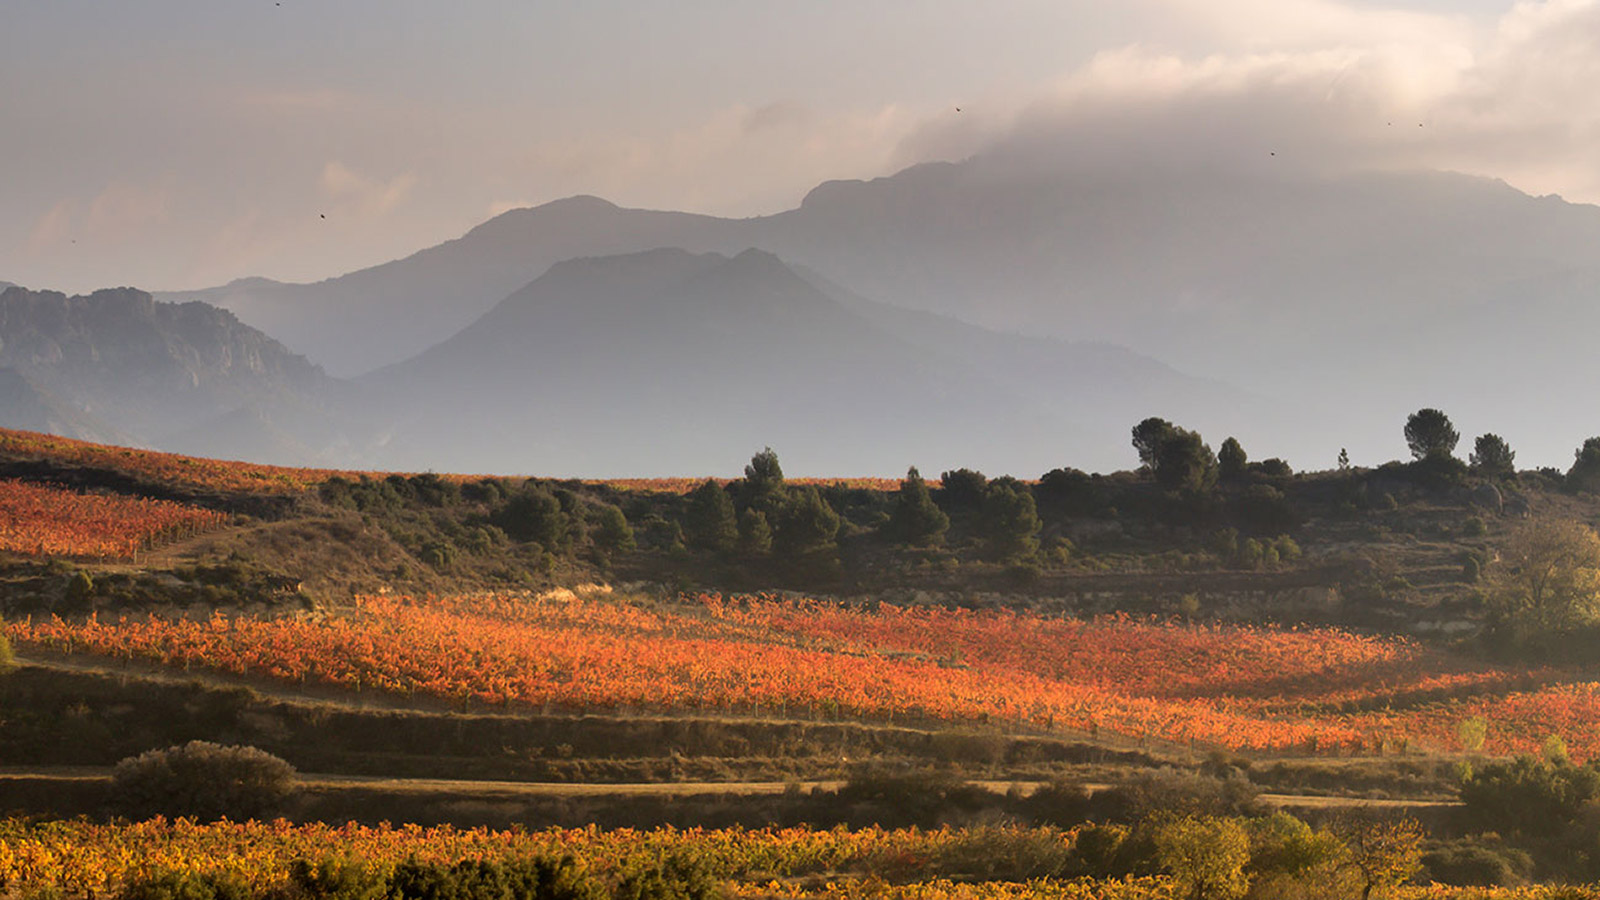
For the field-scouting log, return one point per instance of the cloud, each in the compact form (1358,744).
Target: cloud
(52,229)
(124,209)
(354,193)
(1515,103)
(739,160)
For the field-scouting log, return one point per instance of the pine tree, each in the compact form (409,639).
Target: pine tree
(711,523)
(1010,522)
(755,535)
(916,519)
(807,523)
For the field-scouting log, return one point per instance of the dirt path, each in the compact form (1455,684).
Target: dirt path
(502,790)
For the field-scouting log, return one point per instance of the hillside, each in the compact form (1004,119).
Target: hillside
(451,649)
(119,365)
(554,373)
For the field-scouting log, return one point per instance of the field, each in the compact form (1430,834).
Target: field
(1316,691)
(41,520)
(228,476)
(82,859)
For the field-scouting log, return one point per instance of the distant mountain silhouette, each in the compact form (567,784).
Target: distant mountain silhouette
(119,366)
(381,315)
(668,362)
(1348,300)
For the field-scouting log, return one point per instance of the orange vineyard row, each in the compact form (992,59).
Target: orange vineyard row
(85,859)
(49,521)
(1245,688)
(165,468)
(199,473)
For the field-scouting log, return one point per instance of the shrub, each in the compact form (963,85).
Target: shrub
(1061,803)
(898,798)
(334,878)
(188,886)
(1528,794)
(1179,793)
(679,876)
(80,587)
(204,781)
(612,532)
(1475,865)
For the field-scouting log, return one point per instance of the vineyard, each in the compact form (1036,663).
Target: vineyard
(162,468)
(82,859)
(41,520)
(1255,689)
(200,473)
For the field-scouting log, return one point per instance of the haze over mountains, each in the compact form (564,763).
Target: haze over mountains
(1302,312)
(1343,301)
(661,362)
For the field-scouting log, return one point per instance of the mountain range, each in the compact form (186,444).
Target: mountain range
(980,313)
(1341,302)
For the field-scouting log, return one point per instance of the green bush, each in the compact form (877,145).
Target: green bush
(203,781)
(678,876)
(334,878)
(188,886)
(1529,794)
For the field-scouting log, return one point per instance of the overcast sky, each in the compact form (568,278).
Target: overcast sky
(183,143)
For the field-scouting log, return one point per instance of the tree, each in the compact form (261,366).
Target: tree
(8,659)
(916,519)
(1287,851)
(1546,581)
(1585,472)
(1429,433)
(1529,794)
(612,531)
(204,781)
(806,523)
(534,514)
(1492,457)
(1384,853)
(1344,459)
(1184,462)
(962,489)
(1147,438)
(1205,855)
(1010,522)
(763,477)
(755,535)
(711,522)
(1231,460)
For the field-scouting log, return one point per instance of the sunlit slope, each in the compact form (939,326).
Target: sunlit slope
(1320,691)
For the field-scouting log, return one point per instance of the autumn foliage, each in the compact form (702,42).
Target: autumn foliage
(42,520)
(1313,690)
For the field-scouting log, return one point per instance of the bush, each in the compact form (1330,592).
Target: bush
(900,798)
(203,781)
(334,878)
(679,876)
(1176,792)
(1529,794)
(1475,865)
(8,659)
(188,886)
(535,878)
(1061,803)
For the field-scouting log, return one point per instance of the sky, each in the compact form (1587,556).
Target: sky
(174,144)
